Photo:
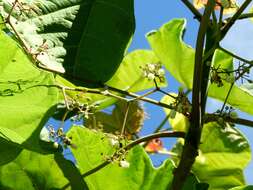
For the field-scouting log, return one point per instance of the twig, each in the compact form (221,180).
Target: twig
(194,11)
(144,95)
(240,121)
(149,100)
(236,56)
(226,99)
(125,119)
(242,16)
(159,127)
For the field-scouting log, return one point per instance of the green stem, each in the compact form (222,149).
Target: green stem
(239,121)
(194,11)
(190,149)
(236,56)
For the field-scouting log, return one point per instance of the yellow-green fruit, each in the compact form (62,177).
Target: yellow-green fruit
(179,122)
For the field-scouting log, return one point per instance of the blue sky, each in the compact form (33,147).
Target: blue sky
(151,15)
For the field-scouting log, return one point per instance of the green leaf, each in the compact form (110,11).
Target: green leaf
(112,123)
(8,151)
(129,75)
(34,171)
(178,59)
(26,99)
(224,153)
(250,187)
(92,149)
(73,34)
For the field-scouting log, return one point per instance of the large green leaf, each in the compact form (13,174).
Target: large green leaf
(88,37)
(26,100)
(224,153)
(178,58)
(94,146)
(129,75)
(33,171)
(8,151)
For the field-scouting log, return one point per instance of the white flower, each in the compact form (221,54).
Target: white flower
(105,92)
(114,141)
(151,76)
(151,67)
(124,164)
(161,72)
(56,145)
(44,135)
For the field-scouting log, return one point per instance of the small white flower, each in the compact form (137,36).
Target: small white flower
(105,92)
(161,72)
(56,145)
(44,135)
(114,141)
(151,76)
(151,67)
(124,164)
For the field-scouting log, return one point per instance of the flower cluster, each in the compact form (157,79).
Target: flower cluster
(120,155)
(152,71)
(59,137)
(82,109)
(181,105)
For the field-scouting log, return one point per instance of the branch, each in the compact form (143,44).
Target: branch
(190,149)
(242,16)
(236,56)
(232,20)
(239,121)
(149,100)
(164,134)
(194,11)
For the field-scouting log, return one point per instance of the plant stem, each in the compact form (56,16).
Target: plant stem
(240,121)
(190,6)
(236,56)
(190,149)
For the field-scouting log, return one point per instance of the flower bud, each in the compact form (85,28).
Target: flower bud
(151,76)
(124,164)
